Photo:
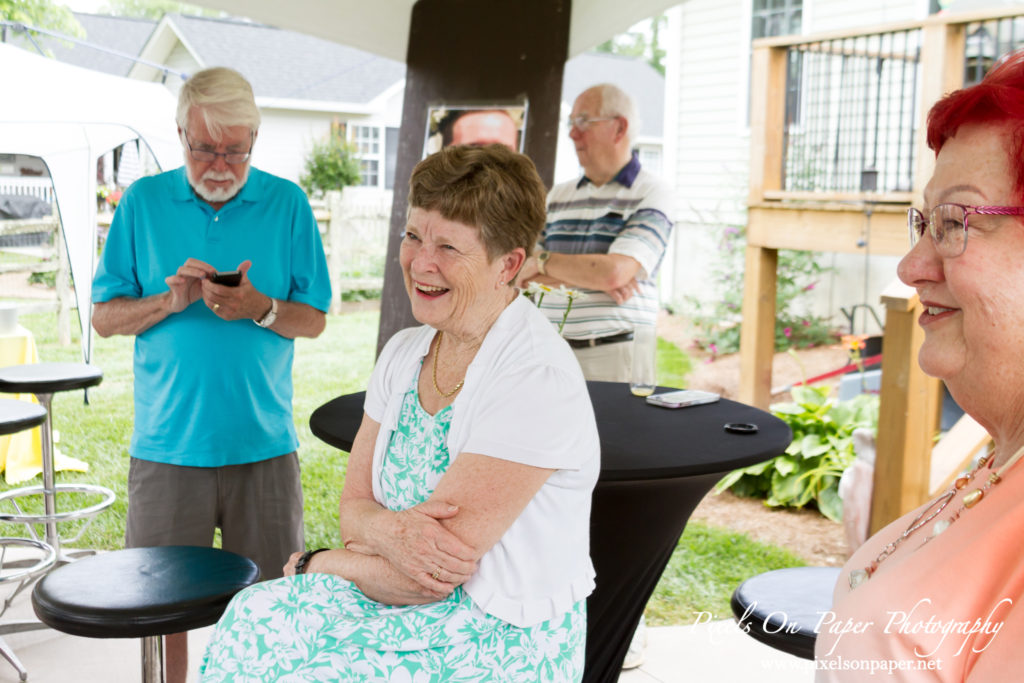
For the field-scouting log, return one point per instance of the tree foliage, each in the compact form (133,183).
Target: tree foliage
(331,165)
(156,9)
(643,40)
(41,14)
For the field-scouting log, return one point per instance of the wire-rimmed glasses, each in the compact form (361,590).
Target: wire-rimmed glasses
(582,122)
(206,155)
(947,224)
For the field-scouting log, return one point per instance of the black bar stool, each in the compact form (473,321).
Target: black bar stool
(142,592)
(44,380)
(783,608)
(14,417)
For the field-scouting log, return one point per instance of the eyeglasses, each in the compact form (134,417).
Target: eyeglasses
(947,224)
(582,123)
(205,155)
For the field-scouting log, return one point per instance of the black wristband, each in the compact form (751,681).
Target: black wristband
(300,566)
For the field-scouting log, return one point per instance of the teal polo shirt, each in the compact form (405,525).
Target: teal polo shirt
(208,392)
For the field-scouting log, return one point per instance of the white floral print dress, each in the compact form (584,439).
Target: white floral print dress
(320,627)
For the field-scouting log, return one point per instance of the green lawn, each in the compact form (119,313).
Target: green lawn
(707,565)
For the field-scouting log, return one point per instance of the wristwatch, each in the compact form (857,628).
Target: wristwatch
(303,562)
(270,317)
(542,261)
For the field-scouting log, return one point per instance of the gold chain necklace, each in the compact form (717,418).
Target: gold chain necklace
(859,576)
(434,372)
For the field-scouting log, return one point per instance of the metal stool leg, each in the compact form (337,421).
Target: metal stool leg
(9,655)
(24,575)
(49,465)
(153,659)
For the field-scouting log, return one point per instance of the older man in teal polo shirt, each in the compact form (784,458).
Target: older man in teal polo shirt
(214,440)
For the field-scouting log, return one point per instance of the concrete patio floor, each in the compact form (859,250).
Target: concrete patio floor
(716,652)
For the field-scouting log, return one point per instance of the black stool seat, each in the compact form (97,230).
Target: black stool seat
(782,608)
(18,415)
(141,591)
(48,378)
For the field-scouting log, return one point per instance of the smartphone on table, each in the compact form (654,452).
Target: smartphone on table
(228,278)
(682,398)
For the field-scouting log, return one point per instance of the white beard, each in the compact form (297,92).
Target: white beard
(218,194)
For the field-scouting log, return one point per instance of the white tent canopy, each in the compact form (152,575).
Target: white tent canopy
(69,117)
(382,26)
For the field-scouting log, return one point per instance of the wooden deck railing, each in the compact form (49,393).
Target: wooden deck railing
(852,222)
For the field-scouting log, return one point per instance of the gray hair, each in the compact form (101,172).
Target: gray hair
(616,102)
(222,97)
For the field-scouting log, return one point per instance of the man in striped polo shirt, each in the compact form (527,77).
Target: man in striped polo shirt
(606,234)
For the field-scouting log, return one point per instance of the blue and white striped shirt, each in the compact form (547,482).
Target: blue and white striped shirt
(628,215)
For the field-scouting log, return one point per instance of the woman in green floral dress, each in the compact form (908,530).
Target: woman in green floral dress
(466,504)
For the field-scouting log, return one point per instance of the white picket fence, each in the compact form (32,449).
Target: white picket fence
(354,228)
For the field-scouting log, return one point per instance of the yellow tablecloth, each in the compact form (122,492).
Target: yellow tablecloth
(21,453)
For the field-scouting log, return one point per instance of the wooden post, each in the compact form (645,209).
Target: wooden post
(335,249)
(522,52)
(757,334)
(942,58)
(63,287)
(767,119)
(908,413)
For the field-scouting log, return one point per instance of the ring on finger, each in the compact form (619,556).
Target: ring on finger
(436,576)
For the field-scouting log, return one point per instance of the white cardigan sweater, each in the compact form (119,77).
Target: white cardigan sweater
(524,400)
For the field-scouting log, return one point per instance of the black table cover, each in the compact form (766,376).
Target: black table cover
(656,465)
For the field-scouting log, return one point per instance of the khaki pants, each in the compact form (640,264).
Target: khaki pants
(257,506)
(607,362)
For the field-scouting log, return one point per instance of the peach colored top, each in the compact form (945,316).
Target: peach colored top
(942,610)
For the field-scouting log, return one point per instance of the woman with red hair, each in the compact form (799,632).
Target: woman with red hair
(934,596)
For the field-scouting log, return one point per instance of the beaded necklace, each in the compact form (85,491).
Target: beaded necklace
(859,576)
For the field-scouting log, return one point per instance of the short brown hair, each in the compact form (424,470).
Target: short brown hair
(490,187)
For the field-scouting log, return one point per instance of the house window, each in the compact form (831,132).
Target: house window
(367,141)
(780,18)
(775,18)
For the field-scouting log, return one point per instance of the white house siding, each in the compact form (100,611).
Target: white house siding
(708,75)
(709,166)
(286,137)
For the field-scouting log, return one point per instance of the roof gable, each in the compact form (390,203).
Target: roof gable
(287,65)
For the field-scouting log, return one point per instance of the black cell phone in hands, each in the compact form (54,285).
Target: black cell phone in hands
(228,278)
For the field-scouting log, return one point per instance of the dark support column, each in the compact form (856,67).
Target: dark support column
(474,51)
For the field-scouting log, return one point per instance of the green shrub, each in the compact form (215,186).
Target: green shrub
(331,165)
(717,325)
(821,450)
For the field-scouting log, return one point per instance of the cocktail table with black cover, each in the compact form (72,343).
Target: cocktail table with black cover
(142,592)
(656,465)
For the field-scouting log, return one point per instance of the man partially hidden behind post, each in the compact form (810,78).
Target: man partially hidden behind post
(214,439)
(606,233)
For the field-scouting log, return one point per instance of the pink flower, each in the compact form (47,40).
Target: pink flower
(810,286)
(788,332)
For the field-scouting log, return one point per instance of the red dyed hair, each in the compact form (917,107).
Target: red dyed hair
(998,100)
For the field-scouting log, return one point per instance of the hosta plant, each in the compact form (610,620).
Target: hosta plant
(821,450)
